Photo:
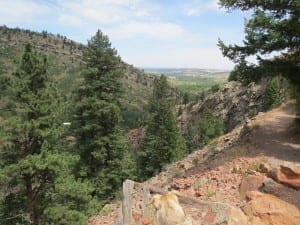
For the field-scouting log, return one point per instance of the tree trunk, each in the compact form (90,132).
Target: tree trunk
(31,201)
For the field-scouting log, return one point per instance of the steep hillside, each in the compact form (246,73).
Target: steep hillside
(249,176)
(64,55)
(64,60)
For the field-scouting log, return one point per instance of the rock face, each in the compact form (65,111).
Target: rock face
(214,213)
(289,176)
(268,209)
(168,211)
(251,183)
(233,102)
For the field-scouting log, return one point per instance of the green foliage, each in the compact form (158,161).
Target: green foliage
(35,167)
(186,98)
(66,69)
(202,95)
(133,117)
(73,204)
(106,210)
(4,85)
(273,27)
(180,111)
(2,68)
(100,142)
(295,89)
(191,86)
(162,142)
(210,126)
(272,97)
(215,88)
(189,137)
(245,73)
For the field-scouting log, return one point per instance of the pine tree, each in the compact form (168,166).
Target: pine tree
(100,141)
(162,143)
(35,182)
(274,27)
(272,96)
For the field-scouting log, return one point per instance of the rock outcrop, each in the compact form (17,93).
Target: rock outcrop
(289,176)
(233,102)
(268,209)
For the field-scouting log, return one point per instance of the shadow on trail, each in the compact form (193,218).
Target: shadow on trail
(274,136)
(271,136)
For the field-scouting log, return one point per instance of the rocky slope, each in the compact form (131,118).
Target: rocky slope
(248,176)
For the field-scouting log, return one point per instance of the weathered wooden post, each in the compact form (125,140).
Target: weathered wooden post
(128,186)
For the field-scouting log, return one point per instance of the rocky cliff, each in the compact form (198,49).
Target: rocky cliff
(233,102)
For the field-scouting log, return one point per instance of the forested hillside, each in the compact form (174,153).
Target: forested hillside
(53,172)
(66,109)
(64,61)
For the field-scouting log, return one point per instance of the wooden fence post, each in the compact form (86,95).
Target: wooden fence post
(127,202)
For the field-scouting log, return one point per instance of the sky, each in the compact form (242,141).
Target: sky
(145,33)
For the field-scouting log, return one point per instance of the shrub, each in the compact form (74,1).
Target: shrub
(272,94)
(210,126)
(215,88)
(180,111)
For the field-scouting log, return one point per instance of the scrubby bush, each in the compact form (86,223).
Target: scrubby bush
(210,126)
(272,94)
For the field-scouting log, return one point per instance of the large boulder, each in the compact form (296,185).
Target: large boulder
(251,183)
(212,213)
(268,209)
(289,176)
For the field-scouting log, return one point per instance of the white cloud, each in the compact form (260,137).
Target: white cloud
(25,11)
(197,7)
(214,4)
(103,11)
(169,43)
(122,19)
(156,30)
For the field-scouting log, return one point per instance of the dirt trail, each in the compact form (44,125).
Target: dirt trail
(274,136)
(272,139)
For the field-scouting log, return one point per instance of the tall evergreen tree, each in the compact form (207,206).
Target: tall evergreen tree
(100,140)
(272,97)
(162,143)
(35,182)
(274,27)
